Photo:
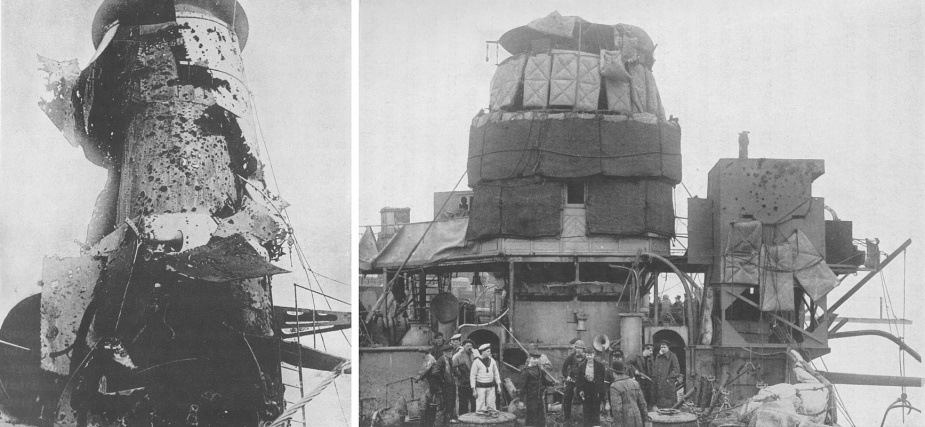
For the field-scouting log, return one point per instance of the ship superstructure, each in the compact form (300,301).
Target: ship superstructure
(569,231)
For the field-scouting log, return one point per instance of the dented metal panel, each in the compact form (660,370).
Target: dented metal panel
(223,260)
(255,220)
(68,285)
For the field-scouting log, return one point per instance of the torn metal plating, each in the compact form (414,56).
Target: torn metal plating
(176,266)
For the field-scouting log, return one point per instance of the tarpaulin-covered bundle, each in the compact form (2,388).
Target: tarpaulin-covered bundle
(750,259)
(564,62)
(572,145)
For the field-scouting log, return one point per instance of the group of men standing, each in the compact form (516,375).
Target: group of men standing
(457,373)
(631,389)
(460,375)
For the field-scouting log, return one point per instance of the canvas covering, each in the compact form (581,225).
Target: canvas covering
(749,260)
(516,209)
(536,80)
(572,145)
(442,238)
(629,207)
(506,81)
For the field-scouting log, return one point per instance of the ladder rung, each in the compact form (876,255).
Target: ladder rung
(292,385)
(291,369)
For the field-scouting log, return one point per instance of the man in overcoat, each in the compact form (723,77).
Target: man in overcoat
(533,381)
(665,372)
(569,373)
(627,406)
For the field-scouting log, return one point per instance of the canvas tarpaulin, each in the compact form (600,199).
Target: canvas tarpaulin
(555,24)
(629,207)
(618,95)
(810,267)
(440,240)
(506,81)
(569,79)
(740,258)
(749,260)
(776,278)
(517,209)
(572,145)
(536,80)
(575,80)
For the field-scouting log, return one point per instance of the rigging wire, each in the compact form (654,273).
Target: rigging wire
(291,231)
(838,399)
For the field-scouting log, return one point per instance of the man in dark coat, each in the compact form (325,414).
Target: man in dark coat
(627,406)
(590,380)
(532,383)
(433,398)
(437,349)
(665,372)
(462,366)
(444,369)
(640,367)
(569,372)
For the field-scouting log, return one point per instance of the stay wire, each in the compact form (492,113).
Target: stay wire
(291,229)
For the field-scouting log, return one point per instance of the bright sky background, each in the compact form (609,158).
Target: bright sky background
(297,62)
(836,80)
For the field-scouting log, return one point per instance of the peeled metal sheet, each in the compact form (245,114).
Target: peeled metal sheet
(255,220)
(224,259)
(56,103)
(108,244)
(67,289)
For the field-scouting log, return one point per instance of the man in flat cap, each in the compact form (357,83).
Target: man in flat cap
(533,381)
(444,369)
(590,382)
(570,373)
(485,380)
(454,341)
(640,367)
(462,366)
(665,371)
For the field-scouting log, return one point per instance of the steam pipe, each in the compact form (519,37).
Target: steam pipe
(883,334)
(685,279)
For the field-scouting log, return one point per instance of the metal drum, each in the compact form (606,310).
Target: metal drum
(681,419)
